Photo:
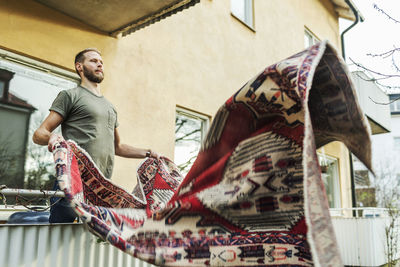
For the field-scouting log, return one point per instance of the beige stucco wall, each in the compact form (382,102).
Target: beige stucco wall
(195,59)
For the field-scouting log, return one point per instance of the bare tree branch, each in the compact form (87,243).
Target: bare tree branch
(386,14)
(384,76)
(385,54)
(186,165)
(380,103)
(387,86)
(179,124)
(394,64)
(183,138)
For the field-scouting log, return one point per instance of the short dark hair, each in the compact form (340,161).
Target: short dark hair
(80,57)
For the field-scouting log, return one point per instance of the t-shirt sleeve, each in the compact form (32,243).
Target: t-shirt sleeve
(116,120)
(62,104)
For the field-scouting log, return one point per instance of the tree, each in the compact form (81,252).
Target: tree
(387,174)
(8,164)
(388,57)
(39,167)
(386,183)
(188,137)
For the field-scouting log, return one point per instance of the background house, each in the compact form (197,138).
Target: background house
(386,148)
(15,115)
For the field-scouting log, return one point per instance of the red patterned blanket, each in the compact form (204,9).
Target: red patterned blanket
(254,196)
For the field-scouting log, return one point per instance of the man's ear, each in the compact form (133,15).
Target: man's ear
(78,66)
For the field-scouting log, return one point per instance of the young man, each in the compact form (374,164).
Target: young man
(88,118)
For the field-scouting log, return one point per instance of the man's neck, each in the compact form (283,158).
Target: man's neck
(92,86)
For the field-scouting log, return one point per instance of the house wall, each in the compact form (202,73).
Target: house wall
(385,151)
(195,59)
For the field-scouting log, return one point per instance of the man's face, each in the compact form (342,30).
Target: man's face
(93,67)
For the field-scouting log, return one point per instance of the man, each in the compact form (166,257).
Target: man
(89,119)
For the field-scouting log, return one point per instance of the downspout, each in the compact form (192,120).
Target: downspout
(358,18)
(353,186)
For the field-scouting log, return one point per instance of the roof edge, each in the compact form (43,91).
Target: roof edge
(343,9)
(157,16)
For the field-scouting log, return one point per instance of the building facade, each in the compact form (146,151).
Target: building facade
(166,80)
(180,69)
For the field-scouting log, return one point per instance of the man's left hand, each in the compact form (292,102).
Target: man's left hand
(154,155)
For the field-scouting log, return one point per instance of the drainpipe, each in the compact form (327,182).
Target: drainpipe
(358,18)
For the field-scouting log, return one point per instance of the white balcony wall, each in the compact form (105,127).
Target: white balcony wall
(369,94)
(362,241)
(58,245)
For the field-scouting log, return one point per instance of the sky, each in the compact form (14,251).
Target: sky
(376,35)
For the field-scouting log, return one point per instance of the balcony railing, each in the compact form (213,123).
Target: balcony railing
(53,245)
(362,239)
(58,245)
(361,234)
(369,212)
(28,195)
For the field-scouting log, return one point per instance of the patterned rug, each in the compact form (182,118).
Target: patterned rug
(254,196)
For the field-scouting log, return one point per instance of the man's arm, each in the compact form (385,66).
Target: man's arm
(44,132)
(128,151)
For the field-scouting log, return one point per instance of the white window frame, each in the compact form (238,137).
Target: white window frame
(35,64)
(309,38)
(248,13)
(198,116)
(395,105)
(336,182)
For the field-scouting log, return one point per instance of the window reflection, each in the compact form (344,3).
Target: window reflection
(1,89)
(394,104)
(330,177)
(24,164)
(189,132)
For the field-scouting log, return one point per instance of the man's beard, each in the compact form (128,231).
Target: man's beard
(91,76)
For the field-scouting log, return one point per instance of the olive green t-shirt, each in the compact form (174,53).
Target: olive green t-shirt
(90,121)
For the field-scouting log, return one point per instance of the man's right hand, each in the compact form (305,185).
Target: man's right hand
(54,137)
(42,135)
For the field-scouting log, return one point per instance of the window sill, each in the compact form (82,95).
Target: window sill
(251,28)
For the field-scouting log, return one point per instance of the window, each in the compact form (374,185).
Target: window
(27,98)
(243,10)
(2,85)
(395,105)
(396,143)
(309,39)
(365,192)
(5,77)
(330,177)
(190,130)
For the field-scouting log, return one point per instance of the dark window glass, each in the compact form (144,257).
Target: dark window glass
(1,89)
(24,164)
